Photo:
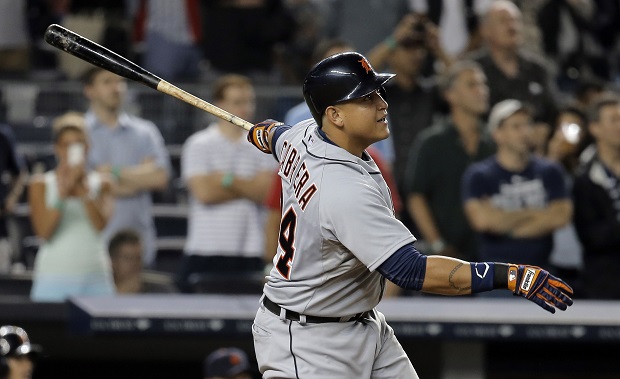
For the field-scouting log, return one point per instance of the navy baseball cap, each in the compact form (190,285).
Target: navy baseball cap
(227,361)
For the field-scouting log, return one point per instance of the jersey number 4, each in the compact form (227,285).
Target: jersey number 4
(286,239)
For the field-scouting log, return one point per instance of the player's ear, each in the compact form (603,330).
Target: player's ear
(333,116)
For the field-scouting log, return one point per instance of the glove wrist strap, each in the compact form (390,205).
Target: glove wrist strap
(511,277)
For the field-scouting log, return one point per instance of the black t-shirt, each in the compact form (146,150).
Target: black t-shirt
(242,39)
(532,84)
(409,112)
(435,168)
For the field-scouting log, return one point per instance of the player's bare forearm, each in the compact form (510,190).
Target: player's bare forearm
(447,276)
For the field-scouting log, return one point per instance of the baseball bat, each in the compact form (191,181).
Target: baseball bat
(93,53)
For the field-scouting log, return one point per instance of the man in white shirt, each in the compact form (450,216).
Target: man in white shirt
(227,181)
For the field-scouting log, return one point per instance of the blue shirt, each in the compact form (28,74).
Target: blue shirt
(541,182)
(132,142)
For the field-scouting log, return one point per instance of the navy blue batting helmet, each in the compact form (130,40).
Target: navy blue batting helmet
(338,78)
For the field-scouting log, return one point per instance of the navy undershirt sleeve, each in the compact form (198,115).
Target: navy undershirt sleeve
(276,134)
(405,268)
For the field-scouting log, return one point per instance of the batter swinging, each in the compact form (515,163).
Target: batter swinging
(339,240)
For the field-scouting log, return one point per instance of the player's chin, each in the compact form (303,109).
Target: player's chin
(383,129)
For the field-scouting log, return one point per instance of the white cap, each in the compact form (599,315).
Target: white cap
(504,109)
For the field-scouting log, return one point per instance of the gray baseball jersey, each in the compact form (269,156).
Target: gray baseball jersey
(337,227)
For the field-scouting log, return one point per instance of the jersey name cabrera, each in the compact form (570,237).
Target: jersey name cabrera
(337,227)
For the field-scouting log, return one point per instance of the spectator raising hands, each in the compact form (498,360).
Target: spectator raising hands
(70,206)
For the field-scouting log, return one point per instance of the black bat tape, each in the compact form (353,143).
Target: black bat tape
(91,52)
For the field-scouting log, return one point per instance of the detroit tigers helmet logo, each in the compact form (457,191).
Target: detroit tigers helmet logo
(365,65)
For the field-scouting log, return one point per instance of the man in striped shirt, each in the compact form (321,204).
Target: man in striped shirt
(228,181)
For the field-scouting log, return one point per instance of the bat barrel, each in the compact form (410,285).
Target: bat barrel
(91,52)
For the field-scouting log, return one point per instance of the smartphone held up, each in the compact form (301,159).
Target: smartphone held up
(75,154)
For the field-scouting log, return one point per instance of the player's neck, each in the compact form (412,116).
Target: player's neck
(340,139)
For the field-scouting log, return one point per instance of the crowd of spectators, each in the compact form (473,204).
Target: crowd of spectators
(504,146)
(500,147)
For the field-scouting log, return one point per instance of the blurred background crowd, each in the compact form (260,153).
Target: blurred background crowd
(504,118)
(182,188)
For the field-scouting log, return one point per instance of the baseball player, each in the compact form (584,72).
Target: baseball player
(339,240)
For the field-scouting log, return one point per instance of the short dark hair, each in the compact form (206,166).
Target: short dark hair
(326,45)
(88,77)
(229,80)
(594,113)
(588,84)
(123,237)
(573,109)
(449,76)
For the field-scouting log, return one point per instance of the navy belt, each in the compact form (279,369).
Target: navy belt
(294,316)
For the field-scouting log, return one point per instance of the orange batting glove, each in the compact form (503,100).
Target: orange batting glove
(539,286)
(259,134)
